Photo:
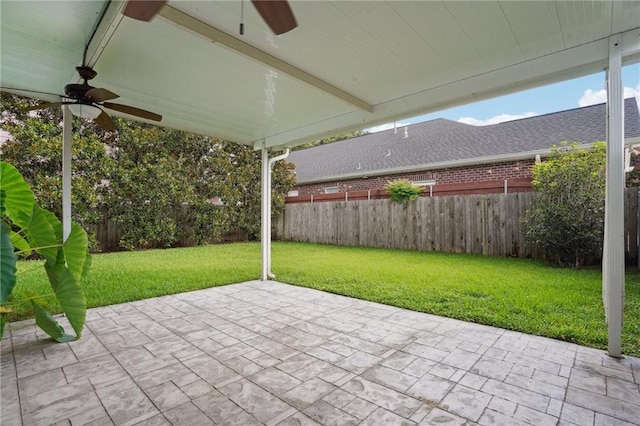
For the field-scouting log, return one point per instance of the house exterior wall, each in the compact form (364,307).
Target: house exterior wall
(518,170)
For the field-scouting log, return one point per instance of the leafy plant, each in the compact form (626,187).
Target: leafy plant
(28,228)
(633,177)
(403,191)
(567,221)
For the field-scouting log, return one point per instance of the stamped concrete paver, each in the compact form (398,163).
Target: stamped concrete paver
(274,354)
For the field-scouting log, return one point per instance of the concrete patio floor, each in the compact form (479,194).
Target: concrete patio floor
(275,354)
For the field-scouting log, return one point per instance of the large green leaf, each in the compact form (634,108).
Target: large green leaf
(7,264)
(55,269)
(75,251)
(49,325)
(20,243)
(41,234)
(66,284)
(65,263)
(87,265)
(71,298)
(17,197)
(54,222)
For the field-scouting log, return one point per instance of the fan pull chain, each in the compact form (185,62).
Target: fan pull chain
(241,17)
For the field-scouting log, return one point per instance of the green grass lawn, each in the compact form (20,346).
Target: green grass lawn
(517,294)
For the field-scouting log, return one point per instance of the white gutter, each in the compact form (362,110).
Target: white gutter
(528,155)
(267,164)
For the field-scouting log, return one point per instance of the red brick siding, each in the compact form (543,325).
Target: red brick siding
(456,175)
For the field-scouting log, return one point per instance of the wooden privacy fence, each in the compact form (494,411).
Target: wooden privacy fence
(482,224)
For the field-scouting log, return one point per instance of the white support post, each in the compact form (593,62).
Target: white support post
(66,171)
(265,222)
(613,255)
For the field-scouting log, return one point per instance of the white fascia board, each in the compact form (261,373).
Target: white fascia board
(630,46)
(567,64)
(503,158)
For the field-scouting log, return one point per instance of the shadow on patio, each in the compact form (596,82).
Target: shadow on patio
(275,354)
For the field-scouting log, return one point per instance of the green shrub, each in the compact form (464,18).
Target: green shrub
(567,220)
(402,191)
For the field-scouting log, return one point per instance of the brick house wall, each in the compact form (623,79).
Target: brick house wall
(497,172)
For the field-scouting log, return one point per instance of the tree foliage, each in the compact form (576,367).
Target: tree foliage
(236,180)
(160,186)
(403,191)
(567,221)
(151,183)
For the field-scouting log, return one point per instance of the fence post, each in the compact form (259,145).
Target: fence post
(505,186)
(638,230)
(485,226)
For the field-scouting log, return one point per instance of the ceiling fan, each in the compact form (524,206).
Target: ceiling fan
(86,101)
(276,13)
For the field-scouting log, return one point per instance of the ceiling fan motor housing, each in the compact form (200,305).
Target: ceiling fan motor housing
(86,73)
(77,91)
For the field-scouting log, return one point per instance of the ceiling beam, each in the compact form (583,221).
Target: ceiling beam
(217,36)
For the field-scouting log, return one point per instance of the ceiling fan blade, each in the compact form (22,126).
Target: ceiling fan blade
(105,122)
(100,95)
(44,106)
(143,10)
(277,14)
(133,111)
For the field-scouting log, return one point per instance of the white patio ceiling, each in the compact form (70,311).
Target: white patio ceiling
(348,65)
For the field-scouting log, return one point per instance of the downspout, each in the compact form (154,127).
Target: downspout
(270,166)
(628,167)
(267,164)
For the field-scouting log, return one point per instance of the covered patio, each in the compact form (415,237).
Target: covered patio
(214,68)
(275,354)
(263,352)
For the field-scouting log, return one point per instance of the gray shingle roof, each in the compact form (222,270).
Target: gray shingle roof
(442,140)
